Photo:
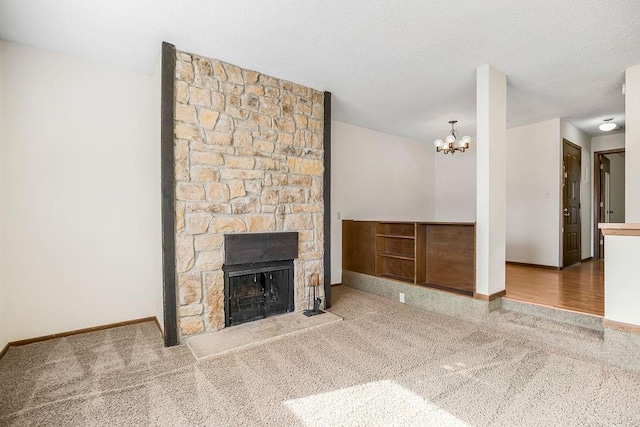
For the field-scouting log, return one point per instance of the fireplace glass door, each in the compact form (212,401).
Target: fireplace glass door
(258,293)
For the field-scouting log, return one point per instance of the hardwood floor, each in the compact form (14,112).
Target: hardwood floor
(578,288)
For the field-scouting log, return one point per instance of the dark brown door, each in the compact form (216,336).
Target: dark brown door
(603,208)
(571,203)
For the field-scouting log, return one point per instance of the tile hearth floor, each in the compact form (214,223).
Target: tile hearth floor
(250,334)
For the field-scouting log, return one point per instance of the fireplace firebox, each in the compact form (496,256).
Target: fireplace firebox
(258,275)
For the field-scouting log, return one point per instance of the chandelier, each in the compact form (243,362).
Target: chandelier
(449,144)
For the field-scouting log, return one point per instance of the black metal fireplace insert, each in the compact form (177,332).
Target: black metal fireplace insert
(258,275)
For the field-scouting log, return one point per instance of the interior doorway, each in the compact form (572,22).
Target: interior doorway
(609,199)
(571,224)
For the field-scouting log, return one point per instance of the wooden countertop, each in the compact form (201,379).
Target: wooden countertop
(613,229)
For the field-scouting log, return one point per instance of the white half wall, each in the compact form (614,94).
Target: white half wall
(82,240)
(377,176)
(533,193)
(575,135)
(621,271)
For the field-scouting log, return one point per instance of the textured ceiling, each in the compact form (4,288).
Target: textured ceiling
(403,67)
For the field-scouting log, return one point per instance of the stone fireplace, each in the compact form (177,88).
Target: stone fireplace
(248,158)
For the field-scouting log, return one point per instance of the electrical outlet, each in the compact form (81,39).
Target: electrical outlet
(401,297)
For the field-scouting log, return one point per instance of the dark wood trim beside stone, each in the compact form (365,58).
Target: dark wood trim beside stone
(168,185)
(524,264)
(327,198)
(489,297)
(80,331)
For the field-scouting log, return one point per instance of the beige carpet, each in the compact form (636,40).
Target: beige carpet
(385,364)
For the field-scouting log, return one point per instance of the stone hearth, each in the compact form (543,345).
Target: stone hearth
(249,157)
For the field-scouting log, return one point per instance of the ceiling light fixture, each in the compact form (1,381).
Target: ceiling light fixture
(449,144)
(607,125)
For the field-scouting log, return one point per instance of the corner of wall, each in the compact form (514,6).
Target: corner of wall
(4,325)
(97,243)
(156,105)
(377,176)
(533,193)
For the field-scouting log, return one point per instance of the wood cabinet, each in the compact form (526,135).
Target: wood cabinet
(358,240)
(437,255)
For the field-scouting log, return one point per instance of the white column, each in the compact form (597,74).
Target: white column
(632,145)
(491,180)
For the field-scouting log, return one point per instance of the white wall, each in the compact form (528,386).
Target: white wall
(455,189)
(632,144)
(4,324)
(575,135)
(156,105)
(533,193)
(376,176)
(611,141)
(82,208)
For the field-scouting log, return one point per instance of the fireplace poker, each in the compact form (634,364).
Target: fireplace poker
(316,300)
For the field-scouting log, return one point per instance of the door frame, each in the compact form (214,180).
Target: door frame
(562,178)
(596,197)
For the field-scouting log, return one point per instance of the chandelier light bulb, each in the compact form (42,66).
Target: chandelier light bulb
(449,145)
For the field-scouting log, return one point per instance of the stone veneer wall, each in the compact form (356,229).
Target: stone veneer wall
(249,157)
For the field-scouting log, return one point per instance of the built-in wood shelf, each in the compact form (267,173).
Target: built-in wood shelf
(398,256)
(430,254)
(395,236)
